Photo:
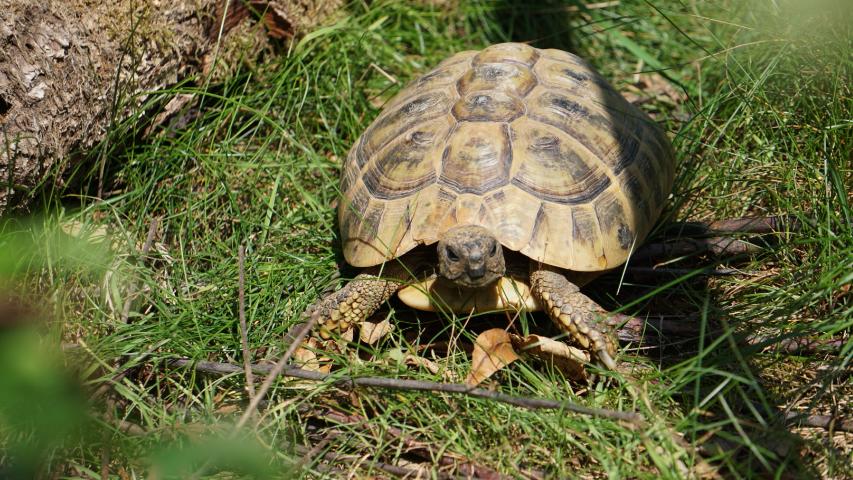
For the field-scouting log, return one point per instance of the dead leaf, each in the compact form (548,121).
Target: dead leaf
(348,335)
(306,357)
(370,332)
(492,351)
(567,359)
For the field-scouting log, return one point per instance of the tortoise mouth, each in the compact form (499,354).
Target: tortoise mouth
(466,281)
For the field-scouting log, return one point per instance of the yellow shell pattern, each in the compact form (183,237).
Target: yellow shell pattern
(532,144)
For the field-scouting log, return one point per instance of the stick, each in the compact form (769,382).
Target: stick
(402,384)
(244,335)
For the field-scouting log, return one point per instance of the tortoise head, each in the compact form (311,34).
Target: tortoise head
(470,256)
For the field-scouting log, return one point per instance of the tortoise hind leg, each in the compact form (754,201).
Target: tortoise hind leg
(573,312)
(357,300)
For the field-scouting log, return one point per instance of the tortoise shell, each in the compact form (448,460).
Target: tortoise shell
(532,144)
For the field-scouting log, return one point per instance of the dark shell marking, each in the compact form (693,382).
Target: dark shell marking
(532,144)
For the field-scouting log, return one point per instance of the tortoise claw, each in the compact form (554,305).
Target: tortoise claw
(605,358)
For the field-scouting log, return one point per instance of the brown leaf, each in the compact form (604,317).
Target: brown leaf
(370,332)
(567,359)
(306,357)
(348,335)
(492,351)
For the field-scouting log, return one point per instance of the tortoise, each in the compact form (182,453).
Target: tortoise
(504,178)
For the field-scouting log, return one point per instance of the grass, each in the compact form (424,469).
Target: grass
(761,126)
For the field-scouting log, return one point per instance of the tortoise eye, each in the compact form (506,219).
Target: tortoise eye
(494,249)
(452,255)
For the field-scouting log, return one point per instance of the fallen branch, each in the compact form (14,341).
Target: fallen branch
(348,382)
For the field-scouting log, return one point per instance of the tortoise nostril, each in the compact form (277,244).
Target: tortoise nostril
(477,272)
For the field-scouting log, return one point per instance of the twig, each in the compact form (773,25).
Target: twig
(274,372)
(827,422)
(146,247)
(409,385)
(244,335)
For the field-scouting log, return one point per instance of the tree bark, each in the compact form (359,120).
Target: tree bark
(68,68)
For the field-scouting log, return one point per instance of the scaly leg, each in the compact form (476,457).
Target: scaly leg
(573,312)
(357,300)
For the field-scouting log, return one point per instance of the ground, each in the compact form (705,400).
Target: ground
(756,98)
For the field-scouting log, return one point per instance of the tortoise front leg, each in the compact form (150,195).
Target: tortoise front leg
(573,312)
(357,300)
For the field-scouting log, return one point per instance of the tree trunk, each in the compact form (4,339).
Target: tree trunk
(68,68)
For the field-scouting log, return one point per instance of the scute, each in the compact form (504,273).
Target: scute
(532,144)
(407,163)
(488,107)
(477,158)
(540,150)
(504,77)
